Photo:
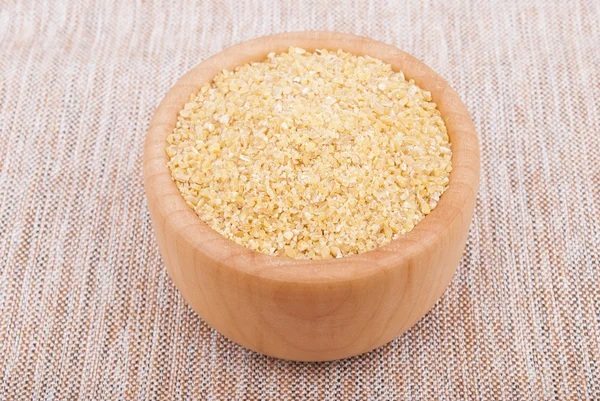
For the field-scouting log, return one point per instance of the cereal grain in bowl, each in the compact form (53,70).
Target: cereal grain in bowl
(311,154)
(310,309)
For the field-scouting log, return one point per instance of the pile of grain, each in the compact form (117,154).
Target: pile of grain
(311,155)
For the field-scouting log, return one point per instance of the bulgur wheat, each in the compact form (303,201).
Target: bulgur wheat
(311,155)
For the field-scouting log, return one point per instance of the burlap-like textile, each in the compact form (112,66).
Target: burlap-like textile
(87,310)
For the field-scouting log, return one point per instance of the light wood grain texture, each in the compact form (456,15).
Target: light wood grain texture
(312,310)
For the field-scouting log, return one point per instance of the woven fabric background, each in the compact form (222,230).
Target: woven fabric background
(87,310)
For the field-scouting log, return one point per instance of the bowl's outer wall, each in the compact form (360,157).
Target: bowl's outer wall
(315,310)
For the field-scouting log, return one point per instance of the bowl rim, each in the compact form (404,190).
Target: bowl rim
(169,208)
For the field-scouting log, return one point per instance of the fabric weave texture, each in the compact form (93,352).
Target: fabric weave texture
(87,310)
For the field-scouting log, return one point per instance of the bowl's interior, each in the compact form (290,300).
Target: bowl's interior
(423,238)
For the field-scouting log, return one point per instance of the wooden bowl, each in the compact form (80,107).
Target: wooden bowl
(312,310)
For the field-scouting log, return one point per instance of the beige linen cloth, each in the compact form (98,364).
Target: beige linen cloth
(87,310)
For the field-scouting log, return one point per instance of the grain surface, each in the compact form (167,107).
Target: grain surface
(311,155)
